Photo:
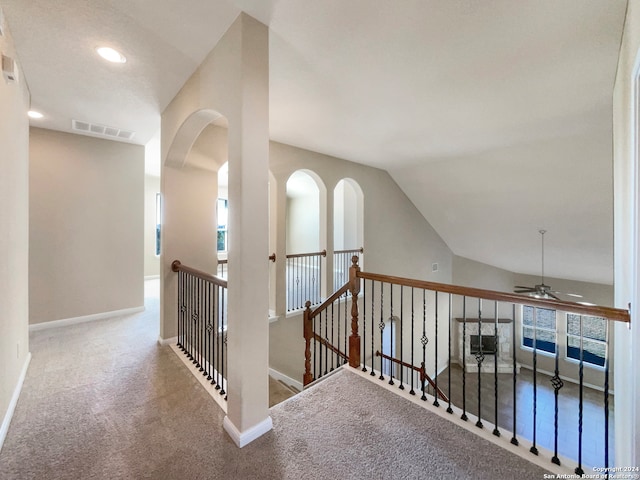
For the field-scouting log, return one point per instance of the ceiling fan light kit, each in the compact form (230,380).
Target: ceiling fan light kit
(541,290)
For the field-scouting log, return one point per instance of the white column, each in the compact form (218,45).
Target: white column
(248,334)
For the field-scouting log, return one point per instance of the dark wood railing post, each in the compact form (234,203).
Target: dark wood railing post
(354,339)
(308,334)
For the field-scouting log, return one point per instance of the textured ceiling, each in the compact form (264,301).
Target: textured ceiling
(494,116)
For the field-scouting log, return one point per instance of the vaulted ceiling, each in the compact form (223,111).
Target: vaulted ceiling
(494,117)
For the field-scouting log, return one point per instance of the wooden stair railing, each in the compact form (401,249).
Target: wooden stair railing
(421,370)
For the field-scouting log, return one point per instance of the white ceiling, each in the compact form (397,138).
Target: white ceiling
(494,116)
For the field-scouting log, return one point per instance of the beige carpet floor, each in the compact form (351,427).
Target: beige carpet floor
(103,401)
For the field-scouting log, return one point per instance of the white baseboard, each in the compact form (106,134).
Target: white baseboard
(244,438)
(151,277)
(86,318)
(288,380)
(167,341)
(4,428)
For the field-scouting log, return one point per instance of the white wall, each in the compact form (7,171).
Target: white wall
(14,236)
(303,223)
(627,237)
(86,226)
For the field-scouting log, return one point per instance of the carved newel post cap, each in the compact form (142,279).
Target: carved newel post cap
(307,304)
(354,260)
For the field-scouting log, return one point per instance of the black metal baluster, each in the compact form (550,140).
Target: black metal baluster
(557,384)
(496,345)
(205,329)
(326,337)
(533,448)
(373,371)
(381,327)
(391,329)
(424,340)
(364,326)
(219,337)
(316,365)
(214,334)
(479,360)
(449,409)
(401,342)
(189,316)
(606,401)
(180,300)
(212,323)
(346,328)
(435,393)
(200,325)
(514,440)
(579,470)
(225,329)
(333,354)
(464,359)
(412,391)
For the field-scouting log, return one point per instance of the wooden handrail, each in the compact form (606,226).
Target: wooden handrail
(324,342)
(176,266)
(421,369)
(610,313)
(223,261)
(323,253)
(355,250)
(337,294)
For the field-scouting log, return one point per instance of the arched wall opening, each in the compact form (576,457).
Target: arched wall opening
(348,228)
(305,239)
(189,189)
(303,213)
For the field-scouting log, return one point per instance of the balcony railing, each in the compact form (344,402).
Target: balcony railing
(202,322)
(399,326)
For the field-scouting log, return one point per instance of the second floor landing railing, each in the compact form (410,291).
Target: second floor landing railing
(471,343)
(202,322)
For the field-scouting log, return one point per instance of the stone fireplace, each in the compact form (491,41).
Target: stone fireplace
(502,344)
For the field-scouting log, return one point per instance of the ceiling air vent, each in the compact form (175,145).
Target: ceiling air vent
(95,129)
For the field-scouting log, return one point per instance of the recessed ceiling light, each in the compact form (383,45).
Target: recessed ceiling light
(34,114)
(111,55)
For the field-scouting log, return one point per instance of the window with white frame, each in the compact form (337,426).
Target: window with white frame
(591,335)
(158,221)
(539,328)
(223,217)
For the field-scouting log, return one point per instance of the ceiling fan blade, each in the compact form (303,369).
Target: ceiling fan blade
(573,295)
(552,296)
(528,288)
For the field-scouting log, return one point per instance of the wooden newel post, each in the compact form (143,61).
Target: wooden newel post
(308,333)
(354,339)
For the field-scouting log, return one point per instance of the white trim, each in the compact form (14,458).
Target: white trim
(151,277)
(287,380)
(244,438)
(4,428)
(167,341)
(206,384)
(86,318)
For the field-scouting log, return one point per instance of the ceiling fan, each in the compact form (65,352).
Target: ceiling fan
(541,290)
